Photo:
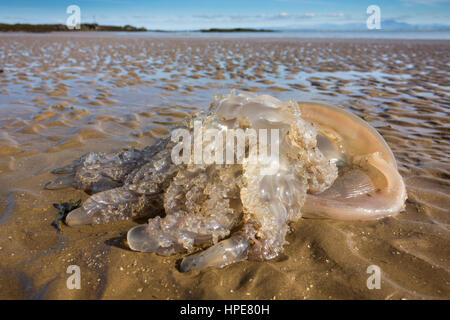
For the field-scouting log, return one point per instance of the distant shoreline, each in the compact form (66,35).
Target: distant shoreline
(236,30)
(43,28)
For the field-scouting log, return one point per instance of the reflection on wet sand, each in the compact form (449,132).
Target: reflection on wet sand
(62,96)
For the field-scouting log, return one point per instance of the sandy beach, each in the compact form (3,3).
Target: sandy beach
(63,95)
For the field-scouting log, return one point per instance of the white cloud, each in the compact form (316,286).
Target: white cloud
(337,15)
(280,18)
(290,16)
(258,17)
(207,16)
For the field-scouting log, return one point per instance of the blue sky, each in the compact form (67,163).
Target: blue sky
(195,14)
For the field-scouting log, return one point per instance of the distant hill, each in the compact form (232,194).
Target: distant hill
(386,25)
(61,27)
(235,30)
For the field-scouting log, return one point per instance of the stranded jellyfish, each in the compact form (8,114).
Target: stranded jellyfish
(324,162)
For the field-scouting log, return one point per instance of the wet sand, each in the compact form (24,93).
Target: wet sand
(64,95)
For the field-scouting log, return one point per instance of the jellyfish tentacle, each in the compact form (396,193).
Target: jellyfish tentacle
(141,196)
(96,172)
(112,205)
(225,252)
(62,182)
(202,205)
(180,232)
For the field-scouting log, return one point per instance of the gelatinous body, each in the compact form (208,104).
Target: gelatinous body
(328,164)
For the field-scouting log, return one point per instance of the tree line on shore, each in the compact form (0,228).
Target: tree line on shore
(20,27)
